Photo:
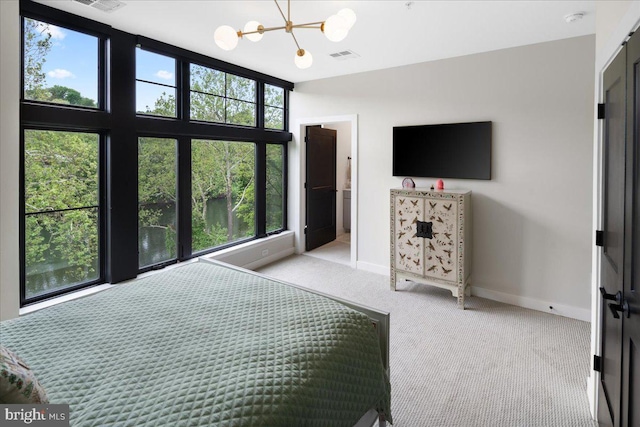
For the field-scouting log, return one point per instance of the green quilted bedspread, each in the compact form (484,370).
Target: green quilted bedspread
(204,345)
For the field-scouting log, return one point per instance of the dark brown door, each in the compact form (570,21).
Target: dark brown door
(631,318)
(321,187)
(612,260)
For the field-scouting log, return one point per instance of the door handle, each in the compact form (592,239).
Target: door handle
(617,297)
(615,308)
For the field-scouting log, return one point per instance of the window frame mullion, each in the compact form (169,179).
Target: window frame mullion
(261,190)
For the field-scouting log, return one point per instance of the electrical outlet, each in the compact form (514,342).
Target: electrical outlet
(265,252)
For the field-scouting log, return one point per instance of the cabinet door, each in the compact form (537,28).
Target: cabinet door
(441,252)
(409,248)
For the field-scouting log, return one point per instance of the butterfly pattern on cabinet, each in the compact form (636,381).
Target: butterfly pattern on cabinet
(409,247)
(434,257)
(440,252)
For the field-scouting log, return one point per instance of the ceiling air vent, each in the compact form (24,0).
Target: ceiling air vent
(103,5)
(345,54)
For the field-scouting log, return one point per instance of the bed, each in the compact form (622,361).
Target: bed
(208,344)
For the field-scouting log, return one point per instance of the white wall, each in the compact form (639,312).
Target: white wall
(609,13)
(532,221)
(9,157)
(343,150)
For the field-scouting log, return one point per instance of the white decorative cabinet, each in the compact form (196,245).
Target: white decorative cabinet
(431,238)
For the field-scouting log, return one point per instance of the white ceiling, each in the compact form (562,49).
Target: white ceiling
(386,34)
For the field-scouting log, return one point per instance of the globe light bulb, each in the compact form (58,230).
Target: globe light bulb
(335,28)
(303,59)
(226,37)
(349,15)
(250,27)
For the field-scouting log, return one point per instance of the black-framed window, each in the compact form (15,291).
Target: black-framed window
(276,187)
(274,107)
(221,97)
(222,193)
(156,84)
(62,227)
(61,66)
(151,158)
(157,201)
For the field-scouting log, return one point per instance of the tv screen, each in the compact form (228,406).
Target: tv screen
(454,150)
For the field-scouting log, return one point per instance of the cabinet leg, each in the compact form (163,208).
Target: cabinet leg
(461,292)
(393,280)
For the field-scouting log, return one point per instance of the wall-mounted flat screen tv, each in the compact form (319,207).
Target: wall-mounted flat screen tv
(453,150)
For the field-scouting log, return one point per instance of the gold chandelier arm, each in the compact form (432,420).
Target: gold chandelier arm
(307,24)
(295,40)
(318,27)
(264,30)
(281,12)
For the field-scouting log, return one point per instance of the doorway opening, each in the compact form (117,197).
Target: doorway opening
(343,249)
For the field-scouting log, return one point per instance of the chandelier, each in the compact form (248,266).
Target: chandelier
(335,28)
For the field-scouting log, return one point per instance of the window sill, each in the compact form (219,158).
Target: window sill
(63,298)
(248,255)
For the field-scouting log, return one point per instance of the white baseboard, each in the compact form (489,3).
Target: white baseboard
(525,302)
(269,259)
(533,303)
(373,268)
(520,301)
(592,391)
(256,253)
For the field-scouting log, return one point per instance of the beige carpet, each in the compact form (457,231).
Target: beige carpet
(491,365)
(336,251)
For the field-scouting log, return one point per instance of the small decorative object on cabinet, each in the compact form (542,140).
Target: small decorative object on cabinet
(408,183)
(431,239)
